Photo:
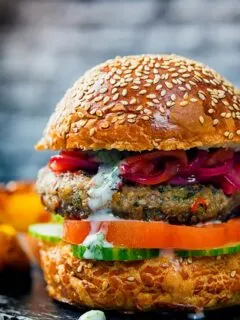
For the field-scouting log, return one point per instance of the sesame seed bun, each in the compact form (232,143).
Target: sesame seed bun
(191,284)
(146,102)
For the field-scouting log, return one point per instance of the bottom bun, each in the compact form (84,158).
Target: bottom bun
(167,281)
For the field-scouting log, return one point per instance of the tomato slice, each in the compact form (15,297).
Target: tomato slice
(142,234)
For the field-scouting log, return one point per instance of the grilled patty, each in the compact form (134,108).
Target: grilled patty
(67,194)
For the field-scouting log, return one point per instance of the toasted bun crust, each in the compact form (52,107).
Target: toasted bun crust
(146,102)
(191,284)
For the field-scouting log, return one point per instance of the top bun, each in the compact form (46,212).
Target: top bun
(146,102)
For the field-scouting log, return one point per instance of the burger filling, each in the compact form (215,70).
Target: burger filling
(177,187)
(72,195)
(128,206)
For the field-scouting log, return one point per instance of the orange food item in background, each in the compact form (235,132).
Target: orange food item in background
(20,206)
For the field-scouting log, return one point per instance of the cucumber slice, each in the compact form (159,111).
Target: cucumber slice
(51,232)
(56,218)
(124,254)
(209,252)
(113,254)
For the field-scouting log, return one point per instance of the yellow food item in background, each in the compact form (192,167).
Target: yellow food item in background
(20,206)
(7,229)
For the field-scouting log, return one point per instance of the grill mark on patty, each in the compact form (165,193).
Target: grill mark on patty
(66,194)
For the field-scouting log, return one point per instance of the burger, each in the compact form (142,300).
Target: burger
(147,179)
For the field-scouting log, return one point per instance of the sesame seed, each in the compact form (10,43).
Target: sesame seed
(137,81)
(145,118)
(114,90)
(118,107)
(147,111)
(201,96)
(185,95)
(99,113)
(131,116)
(192,82)
(228,115)
(105,125)
(124,92)
(215,122)
(103,90)
(201,120)
(125,103)
(129,80)
(163,92)
(184,103)
(156,79)
(230,136)
(92,111)
(173,97)
(223,114)
(186,75)
(130,278)
(169,103)
(119,71)
(151,96)
(115,97)
(233,273)
(162,110)
(143,91)
(188,86)
(174,75)
(169,85)
(226,133)
(182,88)
(91,133)
(211,111)
(135,87)
(225,102)
(116,77)
(238,132)
(131,120)
(133,100)
(139,108)
(182,70)
(112,81)
(159,87)
(98,98)
(193,100)
(87,106)
(151,104)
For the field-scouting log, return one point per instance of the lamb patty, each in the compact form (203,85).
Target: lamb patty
(67,194)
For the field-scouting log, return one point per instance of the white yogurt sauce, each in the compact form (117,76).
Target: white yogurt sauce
(94,241)
(103,215)
(104,184)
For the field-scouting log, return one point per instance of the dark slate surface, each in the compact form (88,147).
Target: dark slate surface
(23,298)
(46,45)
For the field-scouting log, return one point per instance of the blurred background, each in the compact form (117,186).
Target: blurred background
(45,45)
